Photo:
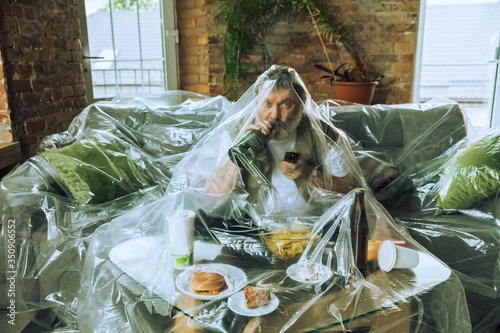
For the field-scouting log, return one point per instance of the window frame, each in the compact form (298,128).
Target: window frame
(170,41)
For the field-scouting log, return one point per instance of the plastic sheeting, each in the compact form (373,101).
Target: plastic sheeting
(270,185)
(458,196)
(424,151)
(147,137)
(395,301)
(93,261)
(394,142)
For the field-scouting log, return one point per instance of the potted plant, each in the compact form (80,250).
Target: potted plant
(352,84)
(246,20)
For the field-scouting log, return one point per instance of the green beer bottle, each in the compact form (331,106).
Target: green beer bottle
(360,233)
(249,146)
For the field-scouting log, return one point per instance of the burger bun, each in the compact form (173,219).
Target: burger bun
(208,283)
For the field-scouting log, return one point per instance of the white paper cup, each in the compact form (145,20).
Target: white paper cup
(181,236)
(391,256)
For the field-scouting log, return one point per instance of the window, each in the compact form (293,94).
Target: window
(458,54)
(129,46)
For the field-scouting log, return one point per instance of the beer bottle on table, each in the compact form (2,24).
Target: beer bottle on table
(360,233)
(249,146)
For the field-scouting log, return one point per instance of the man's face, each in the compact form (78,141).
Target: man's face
(281,105)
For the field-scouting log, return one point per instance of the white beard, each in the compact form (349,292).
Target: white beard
(290,127)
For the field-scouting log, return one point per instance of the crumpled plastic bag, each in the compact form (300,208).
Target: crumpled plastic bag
(109,267)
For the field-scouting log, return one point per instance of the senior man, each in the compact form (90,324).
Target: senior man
(284,116)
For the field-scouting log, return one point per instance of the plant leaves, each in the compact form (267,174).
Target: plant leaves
(323,68)
(247,20)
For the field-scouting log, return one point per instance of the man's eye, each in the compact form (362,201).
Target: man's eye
(286,104)
(266,103)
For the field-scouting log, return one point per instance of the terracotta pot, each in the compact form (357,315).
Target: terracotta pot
(356,92)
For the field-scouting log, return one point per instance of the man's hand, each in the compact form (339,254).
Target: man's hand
(265,126)
(297,170)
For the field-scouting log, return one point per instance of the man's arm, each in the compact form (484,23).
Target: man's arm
(339,184)
(224,180)
(315,178)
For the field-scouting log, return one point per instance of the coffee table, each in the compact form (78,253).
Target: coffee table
(381,298)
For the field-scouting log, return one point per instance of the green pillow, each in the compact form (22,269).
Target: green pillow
(471,176)
(100,169)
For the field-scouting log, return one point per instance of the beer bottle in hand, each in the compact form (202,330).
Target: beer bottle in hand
(249,146)
(360,232)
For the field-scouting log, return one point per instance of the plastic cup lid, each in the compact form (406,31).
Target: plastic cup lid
(187,214)
(181,215)
(387,255)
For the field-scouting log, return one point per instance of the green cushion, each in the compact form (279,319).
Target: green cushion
(100,169)
(472,175)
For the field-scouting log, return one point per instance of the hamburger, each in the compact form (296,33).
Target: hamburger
(208,283)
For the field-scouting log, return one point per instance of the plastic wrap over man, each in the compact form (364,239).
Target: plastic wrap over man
(298,152)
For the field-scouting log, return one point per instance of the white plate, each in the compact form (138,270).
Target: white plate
(237,304)
(293,270)
(235,279)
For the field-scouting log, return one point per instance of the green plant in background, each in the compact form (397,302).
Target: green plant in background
(347,74)
(246,20)
(132,5)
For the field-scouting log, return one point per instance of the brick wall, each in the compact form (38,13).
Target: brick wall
(385,31)
(193,51)
(43,67)
(5,134)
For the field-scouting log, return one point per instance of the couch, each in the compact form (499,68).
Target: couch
(115,156)
(118,156)
(414,141)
